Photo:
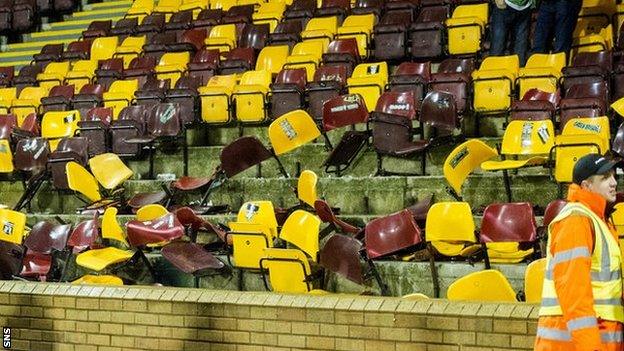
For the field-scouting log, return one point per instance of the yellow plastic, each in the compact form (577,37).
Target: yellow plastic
(81,74)
(542,72)
(291,131)
(59,124)
(140,9)
(306,55)
(618,106)
(259,212)
(465,28)
(596,126)
(415,297)
(306,187)
(618,219)
(222,4)
(150,212)
(287,276)
(302,230)
(594,42)
(99,259)
(272,58)
(450,228)
(109,170)
(215,99)
(566,155)
(80,180)
(269,12)
(172,65)
(7,95)
(6,157)
(249,240)
(111,228)
(533,280)
(488,285)
(369,80)
(507,252)
(222,37)
(120,94)
(130,48)
(12,225)
(28,102)
(463,160)
(531,139)
(323,28)
(53,75)
(195,5)
(250,96)
(103,48)
(168,7)
(359,27)
(90,279)
(493,83)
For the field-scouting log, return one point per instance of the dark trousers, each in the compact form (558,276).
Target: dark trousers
(510,23)
(556,18)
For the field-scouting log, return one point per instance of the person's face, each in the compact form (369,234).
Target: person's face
(602,184)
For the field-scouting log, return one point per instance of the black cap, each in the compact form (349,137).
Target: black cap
(591,164)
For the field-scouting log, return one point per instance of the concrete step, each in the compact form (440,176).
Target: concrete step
(100,13)
(78,23)
(55,33)
(107,4)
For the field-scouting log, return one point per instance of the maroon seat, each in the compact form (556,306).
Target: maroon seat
(7,124)
(341,254)
(139,200)
(254,36)
(288,91)
(329,82)
(109,71)
(25,16)
(152,23)
(44,238)
(94,127)
(287,32)
(454,77)
(439,112)
(618,141)
(326,214)
(238,60)
(536,105)
(390,36)
(584,100)
(29,128)
(238,14)
(242,154)
(552,210)
(390,234)
(398,7)
(344,110)
(587,67)
(98,29)
(31,155)
(157,45)
(11,256)
(191,258)
(191,40)
(180,21)
(152,92)
(411,76)
(163,229)
(59,98)
(141,68)
(339,8)
(77,50)
(300,9)
(49,53)
(74,149)
(6,76)
(129,124)
(125,27)
(427,32)
(27,76)
(204,65)
(84,235)
(363,7)
(90,96)
(342,52)
(185,94)
(508,222)
(208,18)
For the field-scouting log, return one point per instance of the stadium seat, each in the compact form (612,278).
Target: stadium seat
(130,48)
(103,48)
(589,67)
(251,97)
(222,37)
(42,242)
(53,74)
(593,42)
(288,269)
(120,94)
(338,8)
(585,100)
(49,53)
(94,126)
(204,65)
(466,28)
(56,125)
(7,95)
(329,82)
(59,99)
(291,131)
(238,61)
(426,33)
(287,32)
(81,73)
(179,21)
(390,37)
(259,212)
(359,27)
(533,281)
(186,95)
(411,76)
(321,28)
(488,285)
(131,123)
(30,156)
(6,76)
(140,9)
(493,84)
(152,24)
(536,105)
(172,66)
(141,68)
(342,52)
(68,149)
(542,71)
(125,27)
(306,55)
(271,13)
(98,29)
(108,71)
(215,99)
(369,80)
(78,50)
(249,240)
(272,58)
(27,76)
(463,160)
(90,96)
(28,102)
(288,91)
(208,18)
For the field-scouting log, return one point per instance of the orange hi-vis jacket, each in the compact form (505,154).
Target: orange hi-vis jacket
(571,249)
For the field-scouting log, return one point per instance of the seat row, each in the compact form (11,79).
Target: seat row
(23,16)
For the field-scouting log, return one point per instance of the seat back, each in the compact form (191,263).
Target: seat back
(344,110)
(508,222)
(534,280)
(390,234)
(450,222)
(249,240)
(302,230)
(399,103)
(288,270)
(463,160)
(340,254)
(44,237)
(111,229)
(306,187)
(292,130)
(109,170)
(242,154)
(164,120)
(259,212)
(487,285)
(439,110)
(69,148)
(528,138)
(80,180)
(103,48)
(59,124)
(272,58)
(13,226)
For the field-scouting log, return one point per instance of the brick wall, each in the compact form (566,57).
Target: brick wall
(65,317)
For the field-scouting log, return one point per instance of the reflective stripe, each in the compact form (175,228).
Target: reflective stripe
(615,336)
(554,334)
(571,254)
(581,323)
(615,302)
(550,301)
(605,276)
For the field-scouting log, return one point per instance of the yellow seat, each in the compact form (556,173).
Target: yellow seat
(542,71)
(487,285)
(463,160)
(323,28)
(12,226)
(130,48)
(269,12)
(103,48)
(292,130)
(90,279)
(359,27)
(465,28)
(302,230)
(215,99)
(82,73)
(272,58)
(140,9)
(56,125)
(306,187)
(7,95)
(507,252)
(222,37)
(450,229)
(493,83)
(120,94)
(111,229)
(594,42)
(250,96)
(617,106)
(289,270)
(168,7)
(222,4)
(99,259)
(80,180)
(534,280)
(150,212)
(195,5)
(369,80)
(6,157)
(528,139)
(249,240)
(172,65)
(306,55)
(580,136)
(259,212)
(109,170)
(53,75)
(28,102)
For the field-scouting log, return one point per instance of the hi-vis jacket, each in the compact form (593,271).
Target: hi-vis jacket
(582,295)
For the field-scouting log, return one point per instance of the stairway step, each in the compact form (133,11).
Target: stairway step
(37,44)
(53,33)
(83,23)
(110,4)
(99,13)
(16,55)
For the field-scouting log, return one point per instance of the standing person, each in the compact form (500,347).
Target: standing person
(556,18)
(582,295)
(511,17)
